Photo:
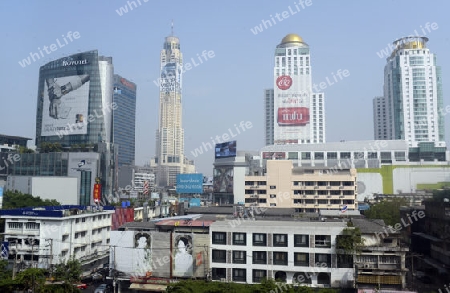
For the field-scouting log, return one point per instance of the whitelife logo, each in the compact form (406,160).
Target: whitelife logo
(124,9)
(36,56)
(281,16)
(390,47)
(243,126)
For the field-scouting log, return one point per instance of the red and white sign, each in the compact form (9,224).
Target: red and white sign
(284,82)
(293,116)
(97,192)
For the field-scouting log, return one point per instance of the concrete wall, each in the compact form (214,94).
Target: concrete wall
(368,184)
(63,189)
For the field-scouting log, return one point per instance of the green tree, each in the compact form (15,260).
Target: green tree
(68,272)
(350,241)
(16,199)
(48,147)
(439,195)
(31,279)
(387,210)
(24,150)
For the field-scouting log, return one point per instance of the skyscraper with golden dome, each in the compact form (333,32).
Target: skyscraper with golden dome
(294,113)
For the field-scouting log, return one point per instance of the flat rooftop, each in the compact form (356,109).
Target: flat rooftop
(55,211)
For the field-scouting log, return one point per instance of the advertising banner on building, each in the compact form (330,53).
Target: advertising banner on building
(223,179)
(171,78)
(292,109)
(183,261)
(142,254)
(190,183)
(4,250)
(97,192)
(65,105)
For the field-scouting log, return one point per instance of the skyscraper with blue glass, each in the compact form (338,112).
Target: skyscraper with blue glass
(124,119)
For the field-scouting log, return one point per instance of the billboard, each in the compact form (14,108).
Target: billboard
(171,78)
(223,179)
(292,108)
(142,256)
(183,261)
(225,149)
(190,183)
(97,192)
(4,250)
(65,105)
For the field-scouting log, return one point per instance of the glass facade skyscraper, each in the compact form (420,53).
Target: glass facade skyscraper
(124,119)
(75,100)
(75,109)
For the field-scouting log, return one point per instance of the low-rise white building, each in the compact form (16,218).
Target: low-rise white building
(295,252)
(45,236)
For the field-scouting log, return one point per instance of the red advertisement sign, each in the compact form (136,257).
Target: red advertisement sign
(97,192)
(284,82)
(293,116)
(127,84)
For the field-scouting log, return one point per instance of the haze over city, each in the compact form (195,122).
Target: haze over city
(225,88)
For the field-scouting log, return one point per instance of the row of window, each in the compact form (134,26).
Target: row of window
(279,240)
(240,275)
(28,225)
(99,217)
(278,257)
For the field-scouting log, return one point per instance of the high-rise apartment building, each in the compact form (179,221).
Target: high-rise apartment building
(298,115)
(170,157)
(413,97)
(379,119)
(268,107)
(124,119)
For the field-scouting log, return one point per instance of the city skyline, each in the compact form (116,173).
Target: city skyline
(226,89)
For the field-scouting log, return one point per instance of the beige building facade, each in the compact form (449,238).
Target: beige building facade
(307,190)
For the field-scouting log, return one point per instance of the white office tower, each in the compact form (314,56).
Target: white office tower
(170,158)
(412,95)
(298,113)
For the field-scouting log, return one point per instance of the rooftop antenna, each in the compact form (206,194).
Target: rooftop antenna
(172,28)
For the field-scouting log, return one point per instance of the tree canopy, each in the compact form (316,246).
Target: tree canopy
(387,210)
(16,199)
(266,286)
(48,147)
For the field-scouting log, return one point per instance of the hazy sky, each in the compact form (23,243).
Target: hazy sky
(228,88)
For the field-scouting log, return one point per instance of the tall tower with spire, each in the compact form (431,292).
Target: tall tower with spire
(170,159)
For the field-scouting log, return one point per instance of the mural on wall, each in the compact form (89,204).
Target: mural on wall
(183,263)
(142,254)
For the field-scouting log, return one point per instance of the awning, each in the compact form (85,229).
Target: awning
(148,287)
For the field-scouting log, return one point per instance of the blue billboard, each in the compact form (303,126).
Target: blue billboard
(190,183)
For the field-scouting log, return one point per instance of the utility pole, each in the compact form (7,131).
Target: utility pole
(50,256)
(32,251)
